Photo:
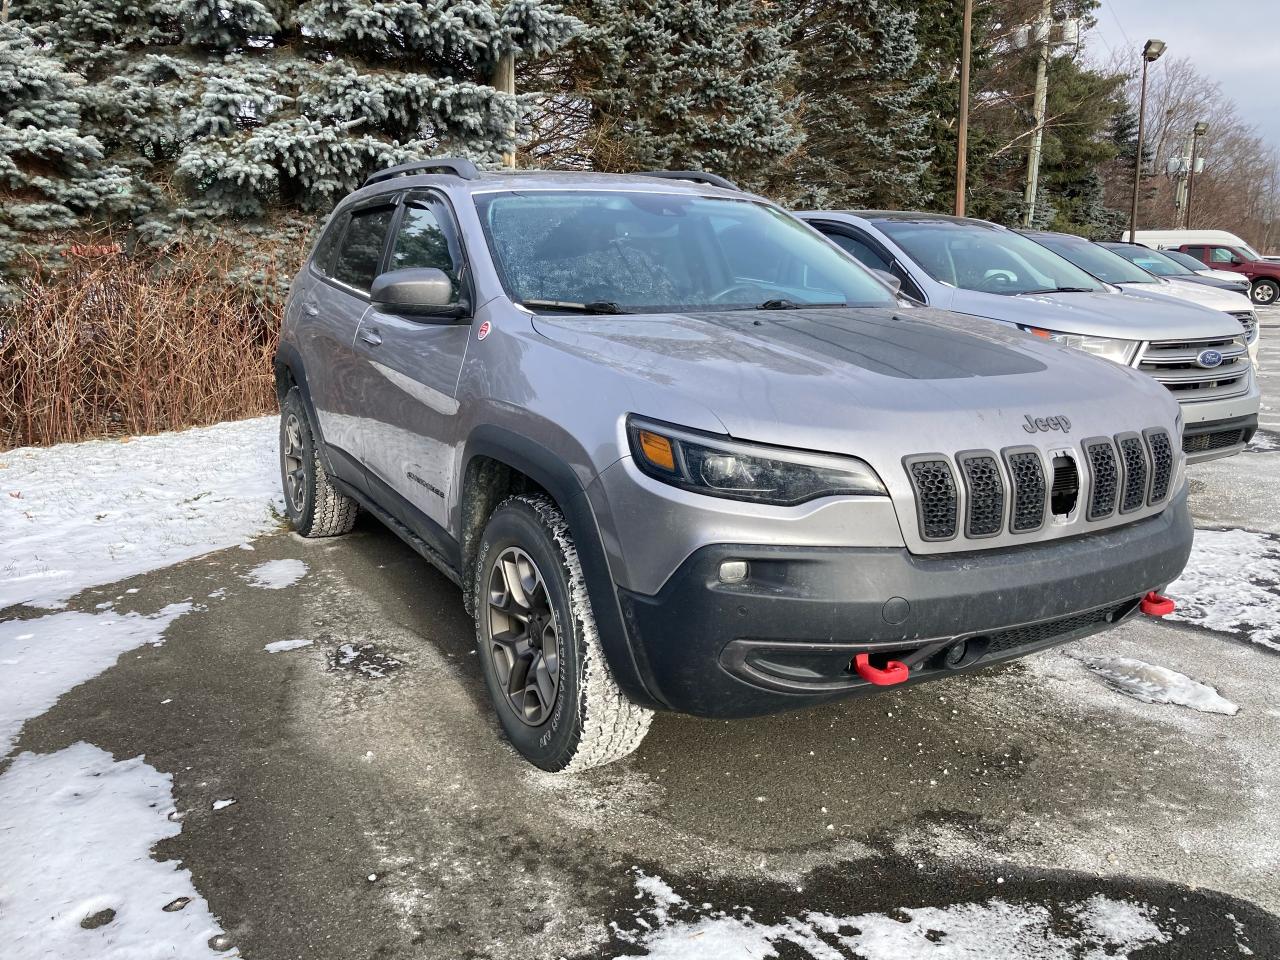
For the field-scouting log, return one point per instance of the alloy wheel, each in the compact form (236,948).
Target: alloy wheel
(294,476)
(523,640)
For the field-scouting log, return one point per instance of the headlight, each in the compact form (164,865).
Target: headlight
(740,471)
(1121,351)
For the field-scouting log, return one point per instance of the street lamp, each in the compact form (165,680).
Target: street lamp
(1198,131)
(1151,51)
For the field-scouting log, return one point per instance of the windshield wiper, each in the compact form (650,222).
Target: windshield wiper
(1030,293)
(594,306)
(781,303)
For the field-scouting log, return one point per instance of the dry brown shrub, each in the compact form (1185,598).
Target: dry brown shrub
(115,345)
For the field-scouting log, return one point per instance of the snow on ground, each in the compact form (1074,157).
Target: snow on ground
(1092,929)
(78,881)
(279,646)
(81,514)
(1232,584)
(42,659)
(1154,684)
(277,574)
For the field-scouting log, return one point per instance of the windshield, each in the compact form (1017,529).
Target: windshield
(1249,252)
(1096,260)
(1162,264)
(640,252)
(975,257)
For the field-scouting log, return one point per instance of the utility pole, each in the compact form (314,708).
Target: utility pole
(1151,51)
(1041,32)
(962,134)
(1200,129)
(504,81)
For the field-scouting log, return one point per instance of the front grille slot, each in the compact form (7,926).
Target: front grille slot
(1249,322)
(1027,474)
(1174,363)
(1105,476)
(984,494)
(1049,630)
(1134,458)
(935,489)
(1161,464)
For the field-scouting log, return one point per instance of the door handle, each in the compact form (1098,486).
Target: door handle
(371,337)
(311,310)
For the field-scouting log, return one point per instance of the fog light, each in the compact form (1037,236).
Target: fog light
(734,571)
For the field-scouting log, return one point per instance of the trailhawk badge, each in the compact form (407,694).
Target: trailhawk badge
(1045,424)
(483,331)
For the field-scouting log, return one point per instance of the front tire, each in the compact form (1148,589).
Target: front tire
(314,506)
(1264,292)
(555,697)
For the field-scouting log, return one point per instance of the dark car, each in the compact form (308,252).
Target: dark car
(1174,265)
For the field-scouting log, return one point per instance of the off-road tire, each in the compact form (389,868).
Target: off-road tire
(321,510)
(1264,293)
(592,722)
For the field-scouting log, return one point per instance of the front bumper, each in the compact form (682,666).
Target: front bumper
(785,637)
(1220,428)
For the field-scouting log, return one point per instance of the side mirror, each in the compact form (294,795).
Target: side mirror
(421,290)
(894,283)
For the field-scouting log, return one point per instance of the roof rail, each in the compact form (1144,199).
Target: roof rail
(696,176)
(459,167)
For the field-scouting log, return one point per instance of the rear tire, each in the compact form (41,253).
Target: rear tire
(555,697)
(1264,292)
(314,506)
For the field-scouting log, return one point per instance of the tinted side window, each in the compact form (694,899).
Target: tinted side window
(867,256)
(323,255)
(426,239)
(361,251)
(1197,252)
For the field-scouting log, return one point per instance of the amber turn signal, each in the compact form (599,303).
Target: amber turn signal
(657,450)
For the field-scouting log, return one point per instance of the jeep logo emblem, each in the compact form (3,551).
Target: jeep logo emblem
(1209,359)
(1045,424)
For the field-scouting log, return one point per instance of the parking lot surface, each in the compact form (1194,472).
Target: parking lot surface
(377,812)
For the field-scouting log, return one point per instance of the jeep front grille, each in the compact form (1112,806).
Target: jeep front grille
(1161,449)
(1134,458)
(1174,363)
(1105,477)
(1027,473)
(984,494)
(1123,474)
(935,489)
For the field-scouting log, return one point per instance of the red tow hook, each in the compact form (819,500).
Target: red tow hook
(1156,605)
(894,671)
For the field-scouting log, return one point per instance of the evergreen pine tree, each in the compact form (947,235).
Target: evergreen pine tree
(861,103)
(51,172)
(684,84)
(245,108)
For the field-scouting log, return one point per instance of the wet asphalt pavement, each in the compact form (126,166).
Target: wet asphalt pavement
(379,813)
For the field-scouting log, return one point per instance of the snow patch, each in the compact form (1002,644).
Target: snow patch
(279,646)
(1232,585)
(277,574)
(100,511)
(76,842)
(45,658)
(222,804)
(1154,684)
(1093,929)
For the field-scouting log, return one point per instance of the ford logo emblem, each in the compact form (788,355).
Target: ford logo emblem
(1209,358)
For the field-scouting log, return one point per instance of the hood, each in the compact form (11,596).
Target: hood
(1106,313)
(908,380)
(1222,274)
(1215,298)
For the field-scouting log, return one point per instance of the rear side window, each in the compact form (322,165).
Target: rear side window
(361,251)
(322,258)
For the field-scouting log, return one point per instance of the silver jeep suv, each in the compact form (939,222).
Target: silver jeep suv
(681,453)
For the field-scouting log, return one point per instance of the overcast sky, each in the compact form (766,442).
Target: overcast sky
(1230,41)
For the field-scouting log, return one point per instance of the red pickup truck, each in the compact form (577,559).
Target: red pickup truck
(1264,275)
